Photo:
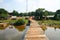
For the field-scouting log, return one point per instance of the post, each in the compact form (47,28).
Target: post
(26,6)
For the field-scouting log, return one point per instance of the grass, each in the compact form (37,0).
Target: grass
(49,22)
(8,20)
(43,27)
(13,21)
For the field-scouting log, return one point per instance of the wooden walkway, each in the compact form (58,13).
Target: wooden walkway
(35,32)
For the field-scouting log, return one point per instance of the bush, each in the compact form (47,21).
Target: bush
(19,22)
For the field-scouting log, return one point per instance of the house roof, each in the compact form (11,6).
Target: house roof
(49,16)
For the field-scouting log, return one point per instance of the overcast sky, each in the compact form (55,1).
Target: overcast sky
(20,5)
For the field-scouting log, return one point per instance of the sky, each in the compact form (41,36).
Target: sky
(20,5)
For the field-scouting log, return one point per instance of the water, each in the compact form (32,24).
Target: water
(12,33)
(53,34)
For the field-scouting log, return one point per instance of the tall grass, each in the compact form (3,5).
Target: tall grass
(49,22)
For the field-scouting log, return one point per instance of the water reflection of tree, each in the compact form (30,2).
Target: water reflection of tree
(20,28)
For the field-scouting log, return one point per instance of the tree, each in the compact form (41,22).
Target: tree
(21,14)
(45,14)
(29,13)
(25,14)
(57,15)
(32,13)
(51,13)
(3,13)
(15,13)
(39,13)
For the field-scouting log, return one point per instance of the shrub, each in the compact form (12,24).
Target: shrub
(19,22)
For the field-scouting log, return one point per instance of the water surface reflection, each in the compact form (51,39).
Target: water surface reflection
(53,33)
(12,33)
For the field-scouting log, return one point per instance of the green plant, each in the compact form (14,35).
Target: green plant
(19,22)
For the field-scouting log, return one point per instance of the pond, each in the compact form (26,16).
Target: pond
(53,33)
(11,33)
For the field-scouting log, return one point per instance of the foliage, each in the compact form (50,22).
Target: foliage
(21,14)
(39,13)
(19,22)
(49,22)
(31,13)
(25,14)
(3,13)
(51,13)
(9,21)
(45,14)
(57,15)
(43,27)
(15,13)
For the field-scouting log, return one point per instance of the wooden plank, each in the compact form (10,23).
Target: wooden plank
(35,33)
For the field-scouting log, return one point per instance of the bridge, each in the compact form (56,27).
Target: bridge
(35,32)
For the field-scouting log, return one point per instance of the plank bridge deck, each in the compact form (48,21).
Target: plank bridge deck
(35,32)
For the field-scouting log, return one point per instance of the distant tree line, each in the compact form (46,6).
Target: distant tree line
(39,14)
(3,14)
